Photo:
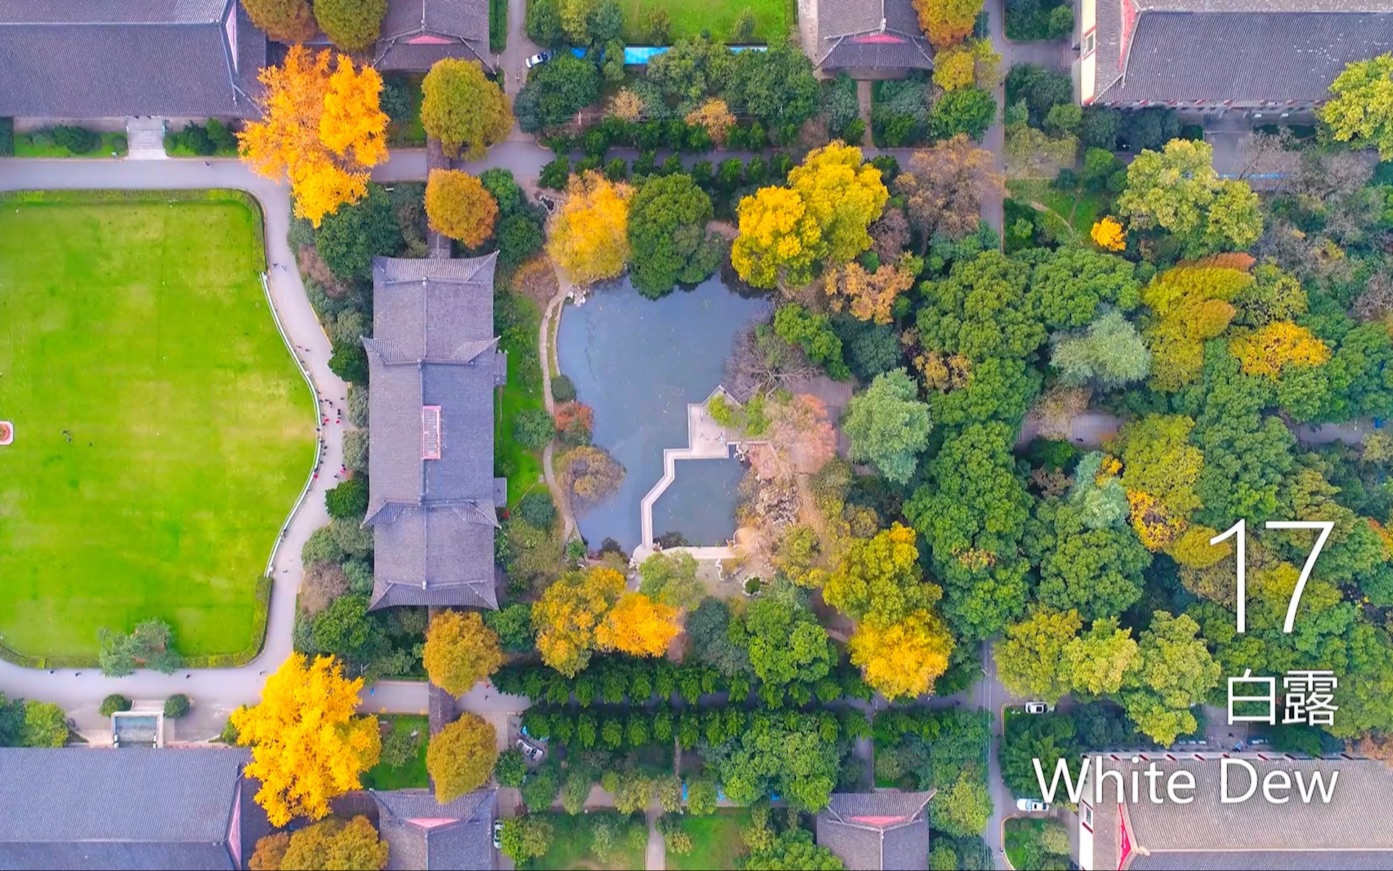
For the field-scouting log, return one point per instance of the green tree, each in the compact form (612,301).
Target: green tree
(352,25)
(880,577)
(792,849)
(671,578)
(667,234)
(513,625)
(1173,672)
(526,837)
(1030,661)
(460,757)
(812,333)
(1069,285)
(1177,191)
(45,725)
(709,635)
(783,753)
(1360,110)
(981,310)
(348,239)
(1097,660)
(964,807)
(965,110)
(556,91)
(1047,737)
(348,500)
(701,797)
(970,514)
(775,86)
(1098,572)
(785,640)
(1110,354)
(510,769)
(463,109)
(533,428)
(888,426)
(544,23)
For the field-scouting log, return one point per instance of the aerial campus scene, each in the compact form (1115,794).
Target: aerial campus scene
(696,434)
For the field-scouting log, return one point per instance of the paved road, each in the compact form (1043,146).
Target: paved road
(214,691)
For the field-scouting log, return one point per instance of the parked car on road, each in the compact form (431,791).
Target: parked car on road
(531,751)
(1036,707)
(1031,805)
(497,834)
(539,58)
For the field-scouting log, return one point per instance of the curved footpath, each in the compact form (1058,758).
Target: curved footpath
(215,692)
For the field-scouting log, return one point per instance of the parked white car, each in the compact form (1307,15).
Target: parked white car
(1031,805)
(539,58)
(497,834)
(1036,707)
(531,751)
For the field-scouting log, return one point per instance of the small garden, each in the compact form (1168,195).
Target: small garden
(597,840)
(717,841)
(1037,844)
(402,763)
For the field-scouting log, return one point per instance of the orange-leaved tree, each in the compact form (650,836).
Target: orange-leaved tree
(307,744)
(463,109)
(589,235)
(460,651)
(1108,234)
(322,128)
(459,206)
(460,758)
(1280,344)
(869,296)
(903,657)
(947,22)
(569,612)
(638,626)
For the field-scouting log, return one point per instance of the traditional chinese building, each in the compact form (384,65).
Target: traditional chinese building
(1254,833)
(868,39)
(1216,55)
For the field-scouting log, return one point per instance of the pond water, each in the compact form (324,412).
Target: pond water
(639,363)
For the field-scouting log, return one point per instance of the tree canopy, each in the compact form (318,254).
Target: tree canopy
(888,426)
(460,757)
(667,234)
(463,109)
(460,651)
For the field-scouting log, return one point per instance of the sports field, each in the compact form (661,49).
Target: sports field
(774,19)
(162,432)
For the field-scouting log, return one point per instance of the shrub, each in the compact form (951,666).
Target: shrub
(176,706)
(358,405)
(555,174)
(538,509)
(78,140)
(563,389)
(575,422)
(1066,180)
(348,500)
(349,362)
(355,450)
(7,137)
(321,547)
(113,703)
(533,428)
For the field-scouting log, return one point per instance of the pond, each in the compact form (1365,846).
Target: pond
(639,363)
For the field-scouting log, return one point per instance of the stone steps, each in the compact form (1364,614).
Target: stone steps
(145,139)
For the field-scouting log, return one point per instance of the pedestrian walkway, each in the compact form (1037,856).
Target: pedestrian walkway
(145,139)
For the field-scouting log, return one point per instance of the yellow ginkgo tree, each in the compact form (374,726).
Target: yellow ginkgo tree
(308,745)
(322,128)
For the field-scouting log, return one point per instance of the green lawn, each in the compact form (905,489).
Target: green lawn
(1076,209)
(773,18)
(1019,832)
(384,777)
(26,146)
(138,324)
(716,841)
(570,845)
(523,391)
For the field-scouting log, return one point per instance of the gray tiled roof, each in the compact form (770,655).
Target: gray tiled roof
(877,830)
(433,520)
(1330,835)
(1242,50)
(423,835)
(131,808)
(107,59)
(870,35)
(462,24)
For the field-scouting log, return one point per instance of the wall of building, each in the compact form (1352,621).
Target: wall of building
(1086,67)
